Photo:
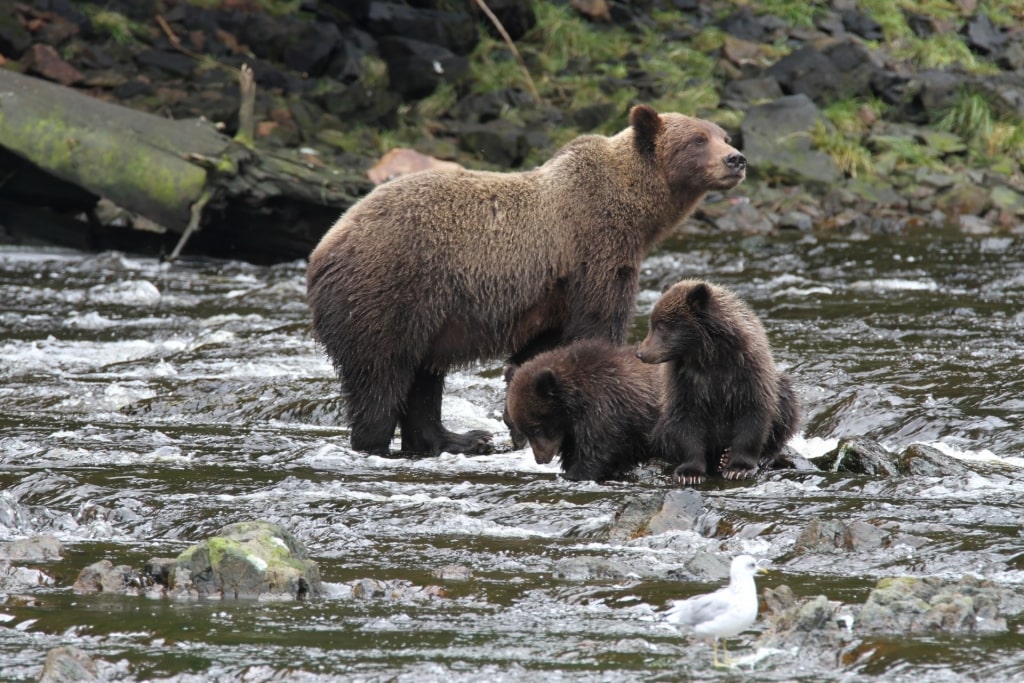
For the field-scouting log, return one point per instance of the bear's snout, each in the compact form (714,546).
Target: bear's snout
(736,161)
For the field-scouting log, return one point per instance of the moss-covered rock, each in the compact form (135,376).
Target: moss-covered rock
(246,560)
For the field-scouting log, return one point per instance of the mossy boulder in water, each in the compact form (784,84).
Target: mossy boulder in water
(246,560)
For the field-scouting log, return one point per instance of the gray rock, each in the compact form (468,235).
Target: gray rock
(833,535)
(105,577)
(453,572)
(674,510)
(44,548)
(680,511)
(796,220)
(1007,199)
(591,568)
(860,456)
(777,139)
(923,460)
(246,560)
(982,35)
(68,664)
(397,589)
(916,605)
(14,579)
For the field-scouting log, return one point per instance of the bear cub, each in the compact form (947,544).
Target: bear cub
(727,407)
(593,402)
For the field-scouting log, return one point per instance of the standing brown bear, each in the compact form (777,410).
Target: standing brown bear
(594,403)
(441,268)
(727,407)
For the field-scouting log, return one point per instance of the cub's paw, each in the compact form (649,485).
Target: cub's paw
(684,476)
(476,442)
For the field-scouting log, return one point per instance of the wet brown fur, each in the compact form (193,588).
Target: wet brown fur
(723,393)
(440,268)
(594,403)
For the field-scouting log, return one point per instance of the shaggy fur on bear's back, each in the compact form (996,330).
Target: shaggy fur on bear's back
(724,394)
(440,268)
(594,403)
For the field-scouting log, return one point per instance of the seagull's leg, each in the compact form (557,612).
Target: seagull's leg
(727,661)
(714,652)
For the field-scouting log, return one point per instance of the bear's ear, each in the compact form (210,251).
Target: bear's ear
(546,383)
(698,297)
(646,126)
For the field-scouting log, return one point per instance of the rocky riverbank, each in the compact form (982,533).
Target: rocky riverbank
(859,117)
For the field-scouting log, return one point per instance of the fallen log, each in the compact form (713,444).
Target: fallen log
(181,175)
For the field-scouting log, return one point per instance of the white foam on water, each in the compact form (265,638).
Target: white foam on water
(982,455)
(813,447)
(126,293)
(896,285)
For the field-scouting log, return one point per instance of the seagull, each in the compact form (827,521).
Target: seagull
(724,613)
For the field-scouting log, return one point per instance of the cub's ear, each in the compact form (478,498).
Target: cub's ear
(646,126)
(698,297)
(546,383)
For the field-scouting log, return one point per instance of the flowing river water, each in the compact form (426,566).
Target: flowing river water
(146,405)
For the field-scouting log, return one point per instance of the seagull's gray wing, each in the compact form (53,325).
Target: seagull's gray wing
(699,609)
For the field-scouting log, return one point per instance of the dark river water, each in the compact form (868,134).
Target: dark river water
(146,405)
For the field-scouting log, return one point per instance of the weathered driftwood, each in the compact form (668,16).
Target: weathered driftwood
(174,173)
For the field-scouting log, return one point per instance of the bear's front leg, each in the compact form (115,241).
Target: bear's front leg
(741,459)
(678,441)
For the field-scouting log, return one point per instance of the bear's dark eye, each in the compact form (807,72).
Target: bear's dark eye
(700,140)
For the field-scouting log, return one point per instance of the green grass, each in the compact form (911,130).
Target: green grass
(848,152)
(849,116)
(988,133)
(116,26)
(276,8)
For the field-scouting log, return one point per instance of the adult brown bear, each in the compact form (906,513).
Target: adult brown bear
(440,268)
(727,407)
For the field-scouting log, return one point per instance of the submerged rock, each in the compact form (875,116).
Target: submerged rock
(833,535)
(246,560)
(674,510)
(67,664)
(394,589)
(43,548)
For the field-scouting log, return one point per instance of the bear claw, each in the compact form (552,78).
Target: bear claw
(734,474)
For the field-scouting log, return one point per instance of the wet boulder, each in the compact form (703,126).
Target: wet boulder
(928,461)
(793,622)
(15,579)
(255,560)
(833,535)
(674,510)
(860,456)
(106,577)
(915,605)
